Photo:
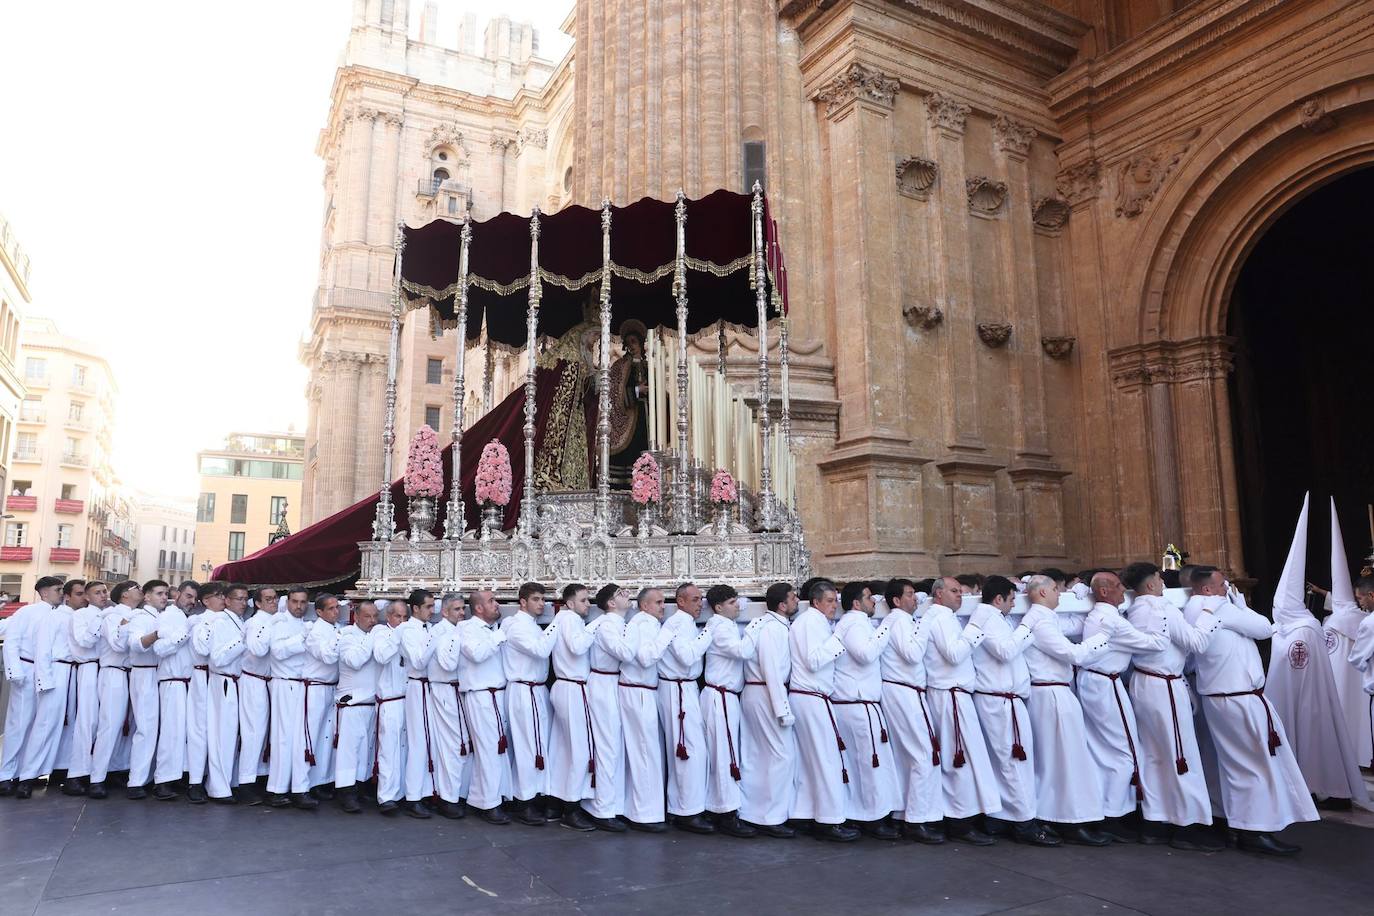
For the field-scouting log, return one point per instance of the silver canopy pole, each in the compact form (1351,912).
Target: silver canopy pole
(682,520)
(765,508)
(456,519)
(531,330)
(384,525)
(603,383)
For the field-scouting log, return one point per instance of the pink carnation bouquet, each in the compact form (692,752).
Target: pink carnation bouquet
(424,472)
(723,489)
(493,475)
(646,480)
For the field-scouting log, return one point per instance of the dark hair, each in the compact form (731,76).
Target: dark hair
(995,587)
(1027,574)
(605,594)
(234,587)
(211,589)
(118,591)
(717,595)
(416,598)
(1200,575)
(809,586)
(297,590)
(1364,584)
(96,583)
(892,591)
(851,593)
(47,582)
(530,589)
(925,585)
(571,589)
(322,597)
(1055,573)
(1136,573)
(776,596)
(189,583)
(257,593)
(70,585)
(154,583)
(818,589)
(971,580)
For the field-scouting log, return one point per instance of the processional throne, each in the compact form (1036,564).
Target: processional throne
(682,286)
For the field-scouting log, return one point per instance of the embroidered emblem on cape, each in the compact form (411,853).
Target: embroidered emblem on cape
(1330,641)
(1297,654)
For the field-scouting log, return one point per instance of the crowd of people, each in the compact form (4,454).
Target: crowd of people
(818,715)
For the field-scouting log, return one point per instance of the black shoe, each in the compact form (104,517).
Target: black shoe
(1154,833)
(996,826)
(552,808)
(776,831)
(135,793)
(348,800)
(835,833)
(730,825)
(75,786)
(277,800)
(163,791)
(250,795)
(529,814)
(1082,835)
(195,794)
(930,834)
(608,824)
(574,818)
(880,830)
(696,823)
(1195,838)
(494,815)
(224,799)
(417,810)
(7,788)
(367,791)
(647,826)
(97,791)
(971,835)
(303,801)
(452,810)
(57,779)
(1265,843)
(1034,833)
(390,809)
(1119,830)
(24,789)
(1334,804)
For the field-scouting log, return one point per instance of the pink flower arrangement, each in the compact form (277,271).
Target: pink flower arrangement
(493,475)
(646,482)
(424,473)
(723,488)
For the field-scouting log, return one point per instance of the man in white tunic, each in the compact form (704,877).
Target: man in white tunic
(1108,715)
(255,695)
(720,709)
(321,674)
(143,685)
(915,747)
(679,710)
(526,655)
(198,703)
(288,772)
(1003,686)
(857,702)
(647,640)
(822,768)
(448,732)
(970,786)
(78,738)
(609,651)
(417,651)
(52,670)
(1302,689)
(482,674)
(223,606)
(768,743)
(23,700)
(111,750)
(355,707)
(174,670)
(1262,788)
(389,748)
(571,766)
(1349,607)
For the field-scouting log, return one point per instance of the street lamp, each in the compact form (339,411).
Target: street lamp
(207,567)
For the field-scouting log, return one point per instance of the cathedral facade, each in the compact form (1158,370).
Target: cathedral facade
(1013,231)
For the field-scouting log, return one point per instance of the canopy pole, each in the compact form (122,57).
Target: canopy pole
(682,520)
(531,330)
(765,507)
(488,369)
(384,525)
(456,520)
(603,383)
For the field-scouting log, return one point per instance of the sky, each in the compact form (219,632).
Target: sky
(157,163)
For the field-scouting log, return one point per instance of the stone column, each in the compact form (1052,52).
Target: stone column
(500,146)
(356,189)
(382,173)
(367,441)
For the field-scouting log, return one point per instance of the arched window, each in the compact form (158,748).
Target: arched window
(439,177)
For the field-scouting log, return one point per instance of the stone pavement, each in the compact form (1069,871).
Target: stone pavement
(62,855)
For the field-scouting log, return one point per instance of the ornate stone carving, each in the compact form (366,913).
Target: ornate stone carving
(1313,116)
(916,176)
(946,112)
(501,142)
(1141,176)
(643,561)
(922,317)
(858,82)
(1012,137)
(724,561)
(1080,183)
(1058,347)
(985,196)
(1050,213)
(526,136)
(447,135)
(994,334)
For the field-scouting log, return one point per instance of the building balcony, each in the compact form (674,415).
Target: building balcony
(75,461)
(76,423)
(37,382)
(16,554)
(21,503)
(28,455)
(36,417)
(67,506)
(82,386)
(64,555)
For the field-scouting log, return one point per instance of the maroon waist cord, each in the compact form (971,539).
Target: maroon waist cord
(1115,678)
(729,738)
(267,735)
(925,714)
(1168,679)
(869,706)
(534,717)
(1274,742)
(587,715)
(829,711)
(71,678)
(681,715)
(1018,750)
(500,725)
(339,706)
(960,758)
(377,733)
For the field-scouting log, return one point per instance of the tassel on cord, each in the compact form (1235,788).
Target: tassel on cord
(734,772)
(875,761)
(1182,766)
(539,761)
(958,759)
(501,745)
(883,735)
(845,773)
(1018,752)
(591,768)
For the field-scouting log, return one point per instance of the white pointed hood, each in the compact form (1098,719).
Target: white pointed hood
(1290,605)
(1345,613)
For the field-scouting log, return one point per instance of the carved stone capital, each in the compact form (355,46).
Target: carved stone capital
(1057,347)
(1080,183)
(1050,213)
(447,135)
(1168,362)
(1012,137)
(537,138)
(994,334)
(985,196)
(922,317)
(946,112)
(916,176)
(1140,177)
(1313,116)
(502,142)
(858,82)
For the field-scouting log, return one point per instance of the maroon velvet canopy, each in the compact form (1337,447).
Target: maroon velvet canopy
(719,245)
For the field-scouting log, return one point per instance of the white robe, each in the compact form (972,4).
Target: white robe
(143,696)
(448,731)
(417,650)
(970,786)
(646,642)
(767,744)
(1000,694)
(389,740)
(720,711)
(198,700)
(909,723)
(175,670)
(111,748)
(873,785)
(679,710)
(484,705)
(19,711)
(822,766)
(526,657)
(355,708)
(609,651)
(255,698)
(78,739)
(51,677)
(1341,631)
(570,735)
(321,669)
(289,768)
(222,713)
